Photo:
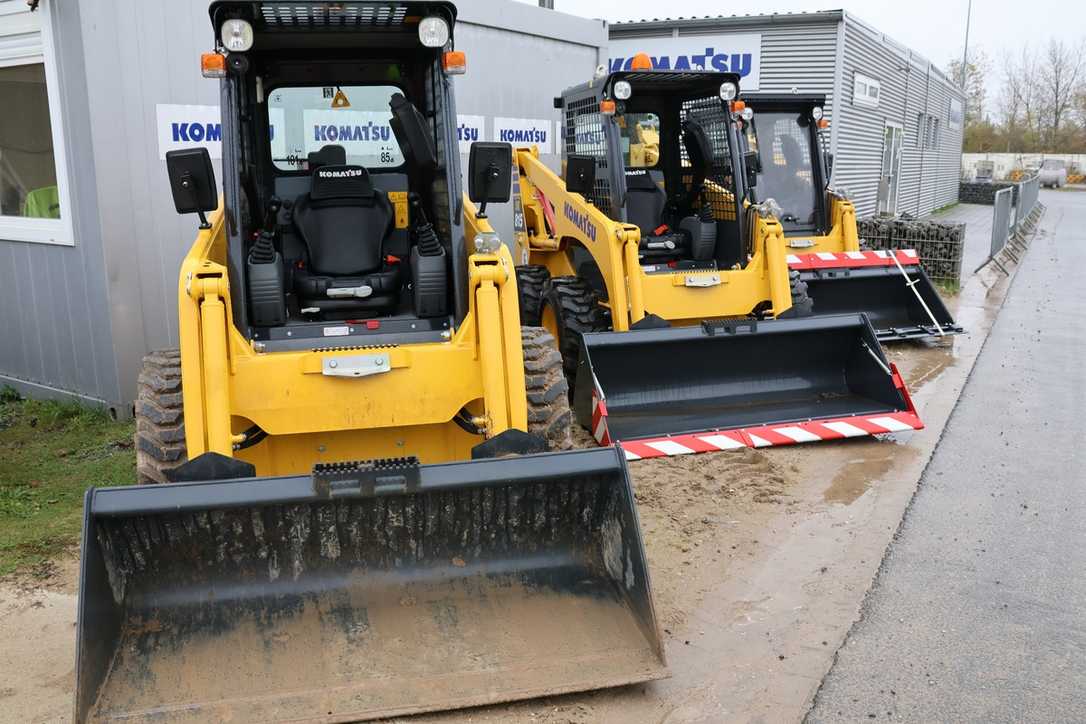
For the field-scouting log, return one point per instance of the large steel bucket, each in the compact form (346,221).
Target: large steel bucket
(656,383)
(363,592)
(885,295)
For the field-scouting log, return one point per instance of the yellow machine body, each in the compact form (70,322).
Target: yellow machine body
(229,385)
(681,297)
(841,237)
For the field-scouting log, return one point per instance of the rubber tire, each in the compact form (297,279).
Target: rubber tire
(531,281)
(577,312)
(160,417)
(802,304)
(549,415)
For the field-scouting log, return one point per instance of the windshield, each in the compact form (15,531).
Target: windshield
(640,139)
(787,176)
(304,120)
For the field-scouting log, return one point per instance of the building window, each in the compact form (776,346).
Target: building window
(956,115)
(927,131)
(33,187)
(866,90)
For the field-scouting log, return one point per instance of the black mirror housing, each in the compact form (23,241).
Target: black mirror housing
(192,182)
(490,172)
(752,163)
(580,174)
(829,166)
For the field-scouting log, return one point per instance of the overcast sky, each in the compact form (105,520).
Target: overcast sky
(934,28)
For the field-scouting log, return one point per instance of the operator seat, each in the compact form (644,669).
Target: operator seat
(344,223)
(645,200)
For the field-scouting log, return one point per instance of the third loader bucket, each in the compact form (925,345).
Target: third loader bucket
(365,590)
(900,301)
(732,384)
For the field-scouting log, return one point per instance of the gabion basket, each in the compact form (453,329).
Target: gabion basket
(939,245)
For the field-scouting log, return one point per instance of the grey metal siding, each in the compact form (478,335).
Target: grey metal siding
(54,311)
(519,58)
(910,86)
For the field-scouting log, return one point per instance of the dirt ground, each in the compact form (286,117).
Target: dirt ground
(759,561)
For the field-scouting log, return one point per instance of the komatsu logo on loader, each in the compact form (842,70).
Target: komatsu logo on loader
(581,221)
(738,53)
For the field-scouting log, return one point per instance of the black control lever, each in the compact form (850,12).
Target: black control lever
(263,250)
(425,236)
(271,215)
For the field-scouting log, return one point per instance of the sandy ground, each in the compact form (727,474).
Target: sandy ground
(759,563)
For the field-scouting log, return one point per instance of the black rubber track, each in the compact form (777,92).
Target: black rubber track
(531,281)
(577,312)
(160,417)
(549,415)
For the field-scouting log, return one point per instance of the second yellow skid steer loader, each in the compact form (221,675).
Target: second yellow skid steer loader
(783,136)
(349,510)
(669,293)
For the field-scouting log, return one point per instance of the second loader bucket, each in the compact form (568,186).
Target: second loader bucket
(367,590)
(732,384)
(900,301)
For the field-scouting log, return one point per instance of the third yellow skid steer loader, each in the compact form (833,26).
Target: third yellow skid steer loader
(782,135)
(348,510)
(669,292)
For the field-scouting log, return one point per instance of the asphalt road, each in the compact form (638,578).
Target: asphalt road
(979,609)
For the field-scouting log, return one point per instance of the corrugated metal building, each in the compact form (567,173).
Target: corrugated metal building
(90,245)
(895,118)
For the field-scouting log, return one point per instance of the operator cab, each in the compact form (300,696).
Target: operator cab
(785,131)
(663,144)
(341,173)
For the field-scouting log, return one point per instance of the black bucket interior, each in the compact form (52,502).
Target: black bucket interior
(722,375)
(881,293)
(265,600)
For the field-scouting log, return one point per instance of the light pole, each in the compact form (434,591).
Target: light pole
(965,54)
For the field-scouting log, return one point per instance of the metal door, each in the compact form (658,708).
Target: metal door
(891,168)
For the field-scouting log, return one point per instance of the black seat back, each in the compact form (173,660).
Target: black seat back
(645,199)
(343,221)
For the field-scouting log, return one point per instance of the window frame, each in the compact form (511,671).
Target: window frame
(59,232)
(868,83)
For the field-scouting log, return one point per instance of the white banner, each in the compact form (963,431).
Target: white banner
(468,130)
(182,126)
(364,134)
(524,132)
(740,54)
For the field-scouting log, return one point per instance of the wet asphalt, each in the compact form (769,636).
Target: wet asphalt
(979,609)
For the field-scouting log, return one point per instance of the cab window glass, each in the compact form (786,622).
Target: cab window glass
(305,119)
(783,143)
(640,134)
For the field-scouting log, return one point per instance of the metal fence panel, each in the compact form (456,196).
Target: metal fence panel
(1001,221)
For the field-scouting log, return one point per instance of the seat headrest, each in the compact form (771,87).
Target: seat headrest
(329,155)
(340,182)
(640,180)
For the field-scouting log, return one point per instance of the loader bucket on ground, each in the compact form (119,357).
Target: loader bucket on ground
(733,384)
(898,308)
(323,598)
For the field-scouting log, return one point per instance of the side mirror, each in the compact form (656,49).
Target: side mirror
(490,174)
(580,174)
(752,162)
(192,182)
(829,166)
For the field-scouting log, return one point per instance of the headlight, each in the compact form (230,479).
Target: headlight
(433,32)
(622,90)
(237,35)
(747,113)
(487,242)
(728,91)
(816,112)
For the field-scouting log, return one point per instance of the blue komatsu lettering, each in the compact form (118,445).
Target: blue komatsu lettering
(180,132)
(741,63)
(580,220)
(214,132)
(196,132)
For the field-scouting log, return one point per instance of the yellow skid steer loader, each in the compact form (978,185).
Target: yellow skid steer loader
(681,327)
(782,135)
(357,497)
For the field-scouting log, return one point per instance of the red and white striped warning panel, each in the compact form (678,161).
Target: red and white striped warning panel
(833,259)
(760,436)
